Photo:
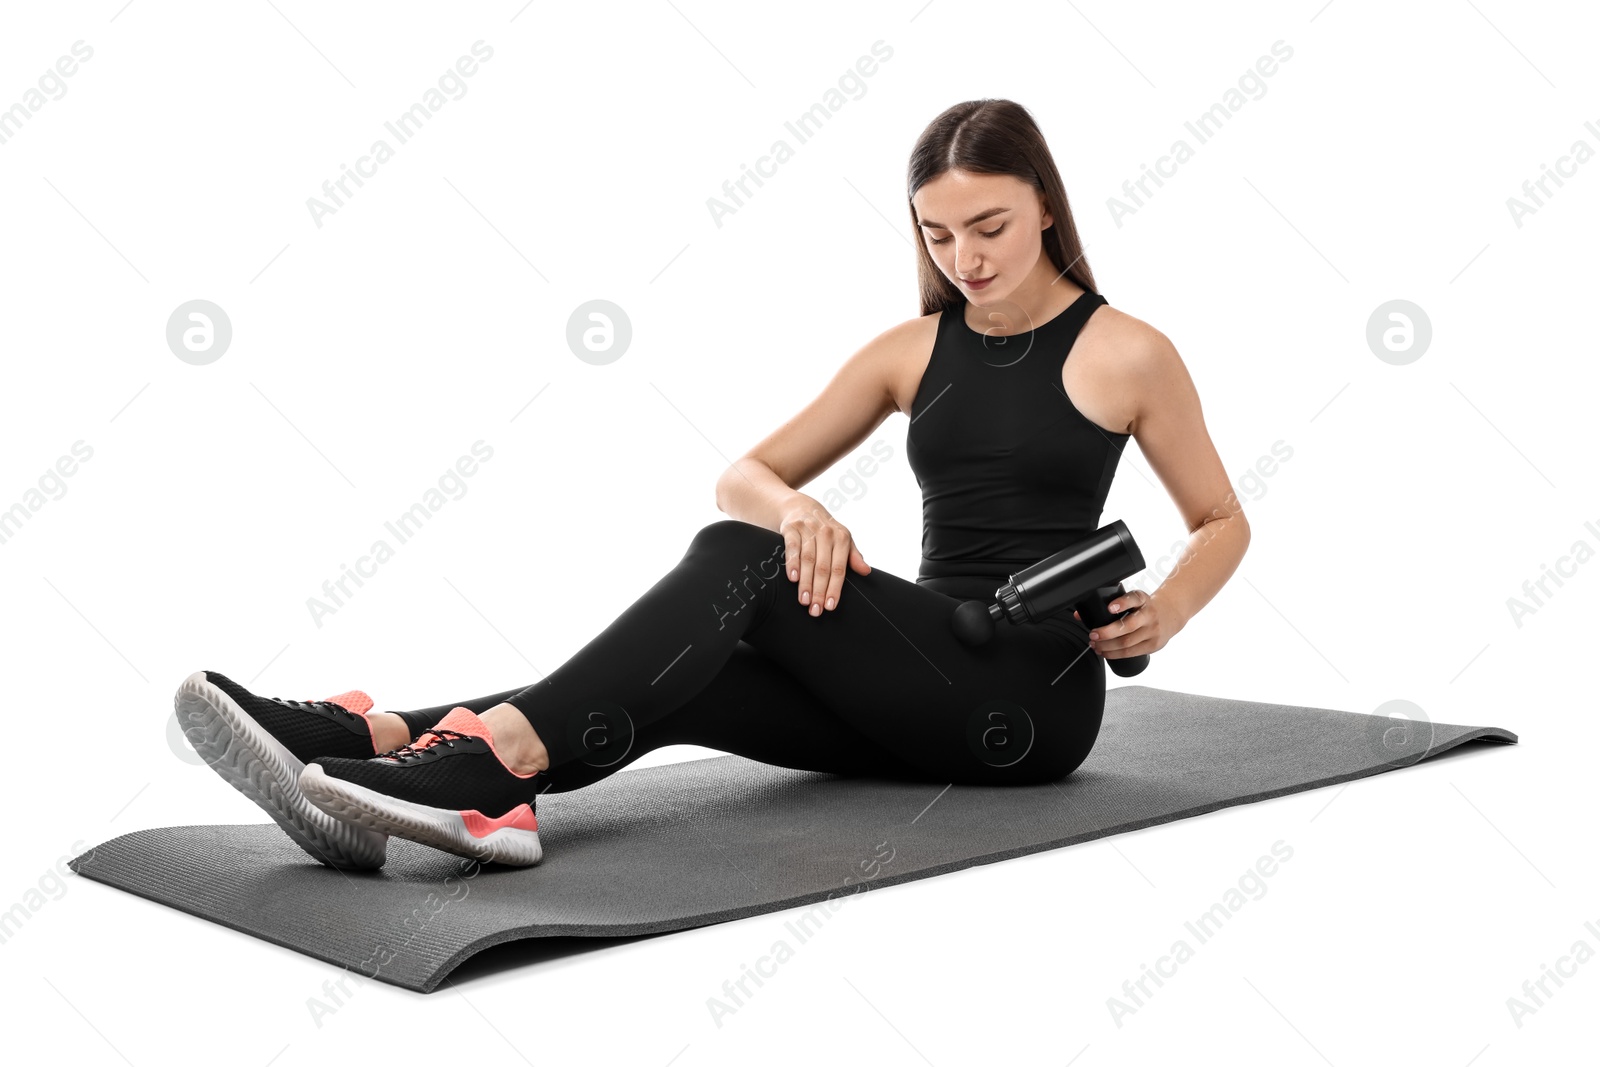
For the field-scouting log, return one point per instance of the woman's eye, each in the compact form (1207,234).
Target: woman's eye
(942,240)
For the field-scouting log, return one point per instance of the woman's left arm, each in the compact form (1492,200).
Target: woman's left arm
(1172,434)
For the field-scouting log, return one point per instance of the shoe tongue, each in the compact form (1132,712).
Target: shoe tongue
(354,701)
(466,721)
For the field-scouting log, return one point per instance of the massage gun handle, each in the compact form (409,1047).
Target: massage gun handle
(1093,612)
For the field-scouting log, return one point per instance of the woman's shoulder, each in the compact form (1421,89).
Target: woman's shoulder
(902,352)
(1114,336)
(908,337)
(1120,366)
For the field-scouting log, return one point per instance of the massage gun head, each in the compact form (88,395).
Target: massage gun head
(974,622)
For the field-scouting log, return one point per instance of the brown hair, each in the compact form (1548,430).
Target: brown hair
(991,137)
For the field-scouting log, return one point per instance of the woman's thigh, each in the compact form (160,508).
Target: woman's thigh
(1023,707)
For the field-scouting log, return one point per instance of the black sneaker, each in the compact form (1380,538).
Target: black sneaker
(448,789)
(261,744)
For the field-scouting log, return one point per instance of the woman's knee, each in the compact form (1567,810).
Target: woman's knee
(740,540)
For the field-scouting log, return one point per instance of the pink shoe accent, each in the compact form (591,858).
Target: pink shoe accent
(354,701)
(463,721)
(520,817)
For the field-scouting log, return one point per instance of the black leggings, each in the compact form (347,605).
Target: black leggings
(720,653)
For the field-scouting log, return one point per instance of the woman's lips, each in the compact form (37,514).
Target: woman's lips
(978,283)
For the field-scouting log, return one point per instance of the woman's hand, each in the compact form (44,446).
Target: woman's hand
(1148,628)
(817,550)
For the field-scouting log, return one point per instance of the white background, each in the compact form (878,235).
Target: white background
(426,314)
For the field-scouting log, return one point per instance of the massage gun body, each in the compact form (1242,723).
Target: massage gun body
(1085,576)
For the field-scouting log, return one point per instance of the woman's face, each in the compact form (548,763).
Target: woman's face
(982,230)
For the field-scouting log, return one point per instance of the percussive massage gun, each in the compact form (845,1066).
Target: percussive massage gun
(1086,575)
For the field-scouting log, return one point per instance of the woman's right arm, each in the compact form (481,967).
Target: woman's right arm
(751,491)
(762,487)
(763,483)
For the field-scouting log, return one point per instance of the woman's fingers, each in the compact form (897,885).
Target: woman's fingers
(822,576)
(1120,635)
(835,575)
(808,556)
(1104,636)
(1128,632)
(791,553)
(818,560)
(846,557)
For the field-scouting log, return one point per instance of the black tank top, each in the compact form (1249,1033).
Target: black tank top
(1010,470)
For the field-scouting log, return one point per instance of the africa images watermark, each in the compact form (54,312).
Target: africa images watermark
(403,127)
(736,992)
(1536,991)
(402,528)
(1252,485)
(49,886)
(732,602)
(1136,993)
(852,485)
(1203,128)
(51,486)
(385,953)
(51,87)
(1537,590)
(1566,166)
(803,127)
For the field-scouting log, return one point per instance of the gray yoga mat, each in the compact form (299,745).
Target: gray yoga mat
(655,849)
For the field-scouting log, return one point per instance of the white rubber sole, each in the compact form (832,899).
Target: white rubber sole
(437,827)
(257,765)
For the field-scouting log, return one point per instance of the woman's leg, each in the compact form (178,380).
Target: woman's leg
(752,708)
(1025,707)
(422,718)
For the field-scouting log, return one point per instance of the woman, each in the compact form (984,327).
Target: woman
(773,638)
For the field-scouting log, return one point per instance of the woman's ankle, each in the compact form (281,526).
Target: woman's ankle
(389,731)
(516,740)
